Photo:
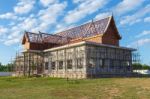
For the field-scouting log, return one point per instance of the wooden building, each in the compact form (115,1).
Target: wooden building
(89,50)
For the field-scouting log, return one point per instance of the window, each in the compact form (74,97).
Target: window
(100,63)
(21,68)
(117,64)
(103,63)
(127,63)
(33,66)
(46,65)
(17,68)
(112,64)
(69,64)
(79,63)
(53,65)
(60,64)
(91,63)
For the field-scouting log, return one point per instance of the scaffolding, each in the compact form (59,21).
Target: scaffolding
(136,57)
(32,62)
(98,60)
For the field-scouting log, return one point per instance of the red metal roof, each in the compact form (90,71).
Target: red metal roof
(85,30)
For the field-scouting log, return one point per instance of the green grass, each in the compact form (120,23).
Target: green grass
(53,88)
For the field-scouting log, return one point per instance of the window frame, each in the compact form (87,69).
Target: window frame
(53,65)
(69,64)
(46,65)
(60,65)
(79,63)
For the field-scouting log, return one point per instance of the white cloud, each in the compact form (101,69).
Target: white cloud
(127,5)
(103,15)
(3,30)
(143,41)
(8,16)
(85,8)
(12,41)
(46,3)
(62,27)
(50,14)
(16,31)
(24,6)
(28,24)
(136,17)
(14,36)
(139,42)
(41,21)
(11,23)
(78,1)
(147,19)
(144,33)
(130,20)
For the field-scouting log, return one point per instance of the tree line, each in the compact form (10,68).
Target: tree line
(136,66)
(139,66)
(6,68)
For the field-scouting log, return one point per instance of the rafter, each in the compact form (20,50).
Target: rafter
(64,37)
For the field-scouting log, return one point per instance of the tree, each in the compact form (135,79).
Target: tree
(146,66)
(6,68)
(139,66)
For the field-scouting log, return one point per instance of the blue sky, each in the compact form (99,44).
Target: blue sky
(16,16)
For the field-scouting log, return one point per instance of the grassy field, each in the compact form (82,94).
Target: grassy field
(50,88)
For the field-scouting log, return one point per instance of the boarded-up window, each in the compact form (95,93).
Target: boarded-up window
(60,64)
(53,65)
(46,65)
(79,63)
(69,64)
